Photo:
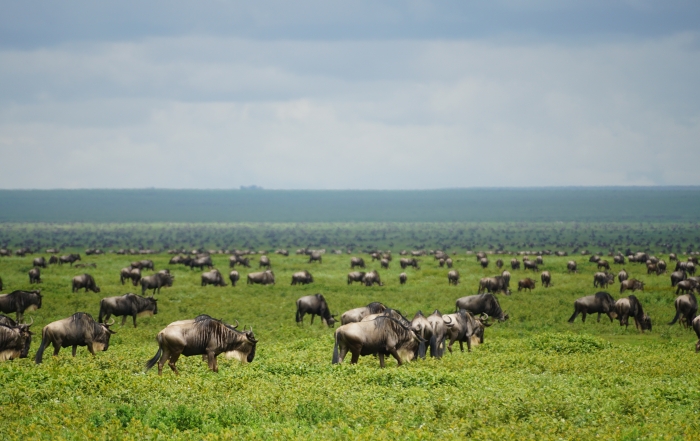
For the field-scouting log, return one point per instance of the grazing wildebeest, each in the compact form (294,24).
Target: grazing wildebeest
(546,278)
(20,302)
(156,282)
(128,273)
(632,285)
(484,262)
(384,264)
(34,275)
(409,262)
(603,279)
(539,260)
(661,267)
(422,327)
(315,256)
(453,277)
(696,328)
(482,304)
(39,262)
(371,278)
(284,253)
(686,309)
(381,336)
(240,260)
(630,306)
(302,278)
(355,276)
(530,265)
(357,261)
(493,284)
(672,257)
(234,277)
(201,262)
(622,275)
(213,277)
(202,336)
(15,339)
(448,262)
(619,259)
(53,260)
(677,276)
(514,264)
(402,278)
(652,268)
(528,284)
(265,262)
(686,286)
(80,329)
(600,302)
(439,332)
(315,305)
(127,305)
(462,326)
(499,263)
(594,258)
(142,264)
(85,281)
(357,314)
(571,266)
(266,277)
(69,258)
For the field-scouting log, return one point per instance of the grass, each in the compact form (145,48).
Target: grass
(535,377)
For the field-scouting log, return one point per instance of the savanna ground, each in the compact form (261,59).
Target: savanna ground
(535,377)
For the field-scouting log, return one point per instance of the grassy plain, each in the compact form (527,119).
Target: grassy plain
(535,377)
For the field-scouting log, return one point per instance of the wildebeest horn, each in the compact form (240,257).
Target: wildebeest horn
(110,323)
(444,319)
(30,324)
(234,327)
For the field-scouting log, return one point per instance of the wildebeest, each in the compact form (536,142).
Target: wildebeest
(234,277)
(15,339)
(20,302)
(499,263)
(453,277)
(448,262)
(127,305)
(528,284)
(686,309)
(143,264)
(53,260)
(202,336)
(594,258)
(381,336)
(439,333)
(355,276)
(696,328)
(571,266)
(69,258)
(402,278)
(539,260)
(660,267)
(422,327)
(213,277)
(672,257)
(493,284)
(690,268)
(1,285)
(80,329)
(284,253)
(357,261)
(266,277)
(603,264)
(603,279)
(632,285)
(265,262)
(462,327)
(630,306)
(39,262)
(622,275)
(34,275)
(201,262)
(85,281)
(371,278)
(686,286)
(240,260)
(619,259)
(156,282)
(514,264)
(652,268)
(530,265)
(315,256)
(546,278)
(128,273)
(600,302)
(482,304)
(484,262)
(302,278)
(384,263)
(677,276)
(357,314)
(315,305)
(404,262)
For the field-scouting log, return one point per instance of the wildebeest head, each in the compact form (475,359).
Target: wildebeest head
(101,335)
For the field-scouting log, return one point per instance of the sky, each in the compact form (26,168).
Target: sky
(349,95)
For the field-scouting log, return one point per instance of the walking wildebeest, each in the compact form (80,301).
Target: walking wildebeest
(127,305)
(357,261)
(213,277)
(266,277)
(678,276)
(462,327)
(315,305)
(302,278)
(234,277)
(482,304)
(355,276)
(80,329)
(357,314)
(632,285)
(630,306)
(546,278)
(528,284)
(686,286)
(85,281)
(34,275)
(686,309)
(600,302)
(156,282)
(453,277)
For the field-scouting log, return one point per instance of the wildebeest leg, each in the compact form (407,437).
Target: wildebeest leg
(75,348)
(134,319)
(395,353)
(599,317)
(173,360)
(355,357)
(583,316)
(211,358)
(312,318)
(449,346)
(56,347)
(342,354)
(381,361)
(124,320)
(469,344)
(461,346)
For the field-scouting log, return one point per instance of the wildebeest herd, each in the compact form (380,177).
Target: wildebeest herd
(373,329)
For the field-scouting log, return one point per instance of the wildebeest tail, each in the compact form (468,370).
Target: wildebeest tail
(102,310)
(298,313)
(421,348)
(40,351)
(336,358)
(678,315)
(152,362)
(433,346)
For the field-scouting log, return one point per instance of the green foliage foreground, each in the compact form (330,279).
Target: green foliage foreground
(535,377)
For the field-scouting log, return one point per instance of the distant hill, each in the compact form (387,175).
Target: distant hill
(616,204)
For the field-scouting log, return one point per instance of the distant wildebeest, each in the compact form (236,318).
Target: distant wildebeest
(265,262)
(409,262)
(156,282)
(686,309)
(484,262)
(234,277)
(482,304)
(240,260)
(448,262)
(355,276)
(143,264)
(357,261)
(127,305)
(402,278)
(315,256)
(204,336)
(515,264)
(546,278)
(600,302)
(493,284)
(315,305)
(20,302)
(453,277)
(80,329)
(686,286)
(34,275)
(630,306)
(619,259)
(357,314)
(372,278)
(266,277)
(463,327)
(539,260)
(201,262)
(571,266)
(677,276)
(53,260)
(530,265)
(384,264)
(696,328)
(603,279)
(622,275)
(39,262)
(632,285)
(302,278)
(15,339)
(284,253)
(69,258)
(528,284)
(85,281)
(213,277)
(128,273)
(499,263)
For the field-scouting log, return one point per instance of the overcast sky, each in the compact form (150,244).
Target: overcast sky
(349,95)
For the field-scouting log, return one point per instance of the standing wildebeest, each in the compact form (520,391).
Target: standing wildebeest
(357,261)
(202,336)
(539,260)
(672,257)
(265,262)
(302,278)
(530,265)
(546,278)
(213,277)
(484,262)
(514,264)
(85,281)
(39,262)
(315,256)
(357,314)
(448,262)
(686,286)
(632,285)
(690,268)
(677,276)
(128,273)
(381,336)
(696,328)
(80,329)
(594,258)
(499,263)
(15,339)
(453,277)
(603,279)
(630,306)
(686,309)
(439,332)
(143,264)
(69,258)
(493,284)
(315,305)
(463,327)
(528,284)
(384,263)
(571,266)
(355,276)
(661,267)
(127,305)
(201,262)
(422,328)
(402,278)
(409,262)
(34,275)
(234,277)
(482,304)
(266,277)
(371,278)
(20,302)
(156,282)
(600,302)
(53,260)
(619,259)
(284,253)
(236,259)
(622,275)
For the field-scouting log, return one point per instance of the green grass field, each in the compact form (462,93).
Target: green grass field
(535,377)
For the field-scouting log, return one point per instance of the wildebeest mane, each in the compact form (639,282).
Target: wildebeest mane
(636,310)
(606,298)
(376,307)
